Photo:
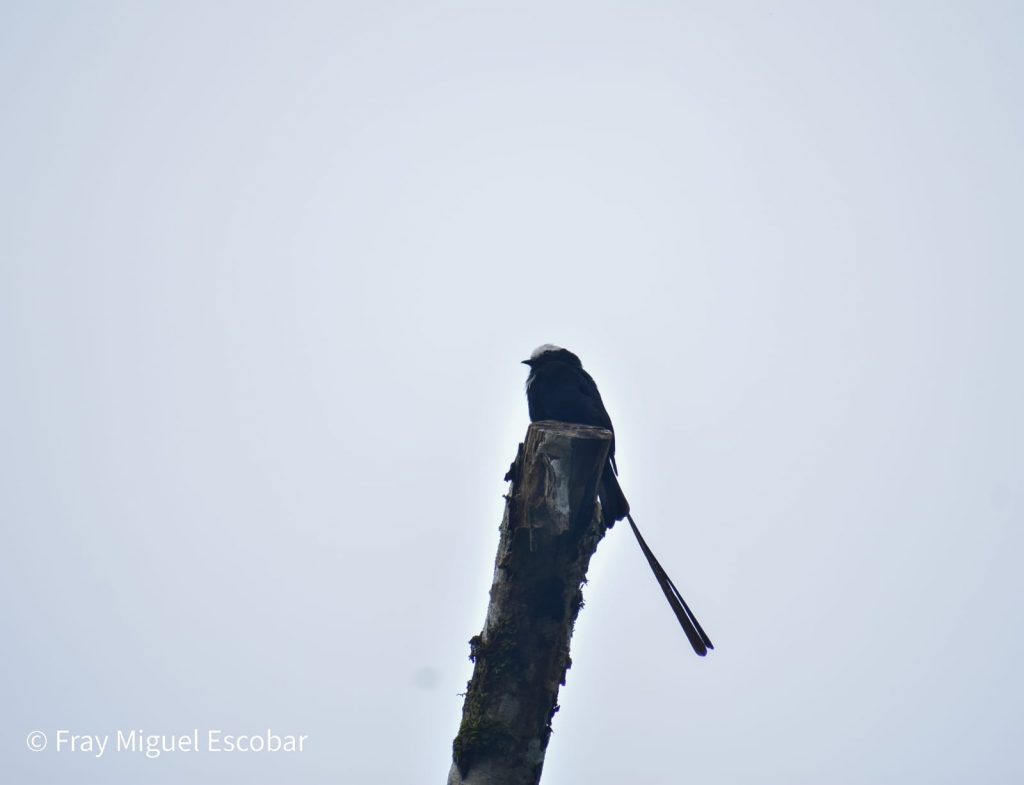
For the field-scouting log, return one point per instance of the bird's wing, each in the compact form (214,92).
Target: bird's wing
(591,397)
(596,411)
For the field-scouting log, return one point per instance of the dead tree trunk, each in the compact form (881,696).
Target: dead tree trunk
(551,528)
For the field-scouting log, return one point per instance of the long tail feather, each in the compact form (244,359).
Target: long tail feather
(694,632)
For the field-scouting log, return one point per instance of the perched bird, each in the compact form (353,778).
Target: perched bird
(559,389)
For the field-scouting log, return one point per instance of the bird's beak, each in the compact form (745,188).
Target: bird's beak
(527,362)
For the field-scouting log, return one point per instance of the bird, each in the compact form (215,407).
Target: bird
(558,388)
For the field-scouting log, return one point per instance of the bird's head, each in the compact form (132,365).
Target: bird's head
(548,353)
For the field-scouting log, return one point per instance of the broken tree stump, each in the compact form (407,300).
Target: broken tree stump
(551,528)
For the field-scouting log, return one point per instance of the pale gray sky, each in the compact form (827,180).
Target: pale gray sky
(266,275)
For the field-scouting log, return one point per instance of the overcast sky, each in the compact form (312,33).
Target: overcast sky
(267,272)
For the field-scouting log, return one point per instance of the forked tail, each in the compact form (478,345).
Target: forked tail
(696,635)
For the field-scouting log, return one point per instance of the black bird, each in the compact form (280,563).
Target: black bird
(559,389)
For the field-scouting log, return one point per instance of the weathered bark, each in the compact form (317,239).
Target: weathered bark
(551,527)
